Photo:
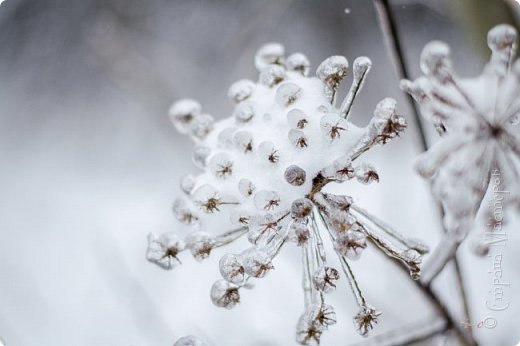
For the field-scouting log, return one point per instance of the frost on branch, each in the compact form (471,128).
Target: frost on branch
(480,140)
(263,171)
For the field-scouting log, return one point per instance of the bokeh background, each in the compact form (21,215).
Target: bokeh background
(89,165)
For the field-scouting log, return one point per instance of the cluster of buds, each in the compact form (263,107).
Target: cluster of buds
(263,173)
(477,120)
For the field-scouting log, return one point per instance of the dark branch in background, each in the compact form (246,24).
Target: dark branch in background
(391,38)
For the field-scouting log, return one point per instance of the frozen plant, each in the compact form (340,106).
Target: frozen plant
(264,169)
(477,119)
(189,340)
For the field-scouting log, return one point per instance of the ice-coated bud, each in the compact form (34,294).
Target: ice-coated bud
(221,165)
(182,114)
(322,314)
(297,119)
(331,71)
(187,183)
(307,331)
(385,108)
(243,141)
(163,250)
(435,61)
(201,126)
(295,175)
(298,139)
(200,245)
(366,174)
(266,200)
(350,244)
(365,319)
(225,137)
(361,67)
(299,233)
(301,208)
(200,155)
(189,340)
(257,262)
(225,294)
(413,260)
(343,169)
(262,228)
(500,37)
(324,279)
(287,94)
(298,62)
(182,212)
(332,126)
(241,90)
(231,268)
(272,75)
(270,53)
(341,203)
(268,153)
(244,112)
(246,187)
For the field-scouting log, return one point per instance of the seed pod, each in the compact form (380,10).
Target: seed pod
(272,75)
(163,250)
(268,153)
(270,53)
(257,262)
(244,112)
(331,71)
(298,62)
(301,208)
(246,187)
(287,94)
(299,233)
(201,126)
(225,294)
(366,174)
(297,119)
(324,279)
(436,62)
(200,245)
(221,165)
(244,141)
(262,228)
(295,175)
(182,114)
(365,319)
(241,90)
(298,139)
(266,200)
(231,268)
(332,126)
(351,244)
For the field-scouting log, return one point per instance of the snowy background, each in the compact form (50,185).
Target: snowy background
(89,165)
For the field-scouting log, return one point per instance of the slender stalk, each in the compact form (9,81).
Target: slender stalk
(391,38)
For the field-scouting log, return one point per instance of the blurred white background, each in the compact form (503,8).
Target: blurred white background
(89,165)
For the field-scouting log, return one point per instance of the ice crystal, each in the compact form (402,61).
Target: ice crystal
(264,170)
(189,340)
(480,139)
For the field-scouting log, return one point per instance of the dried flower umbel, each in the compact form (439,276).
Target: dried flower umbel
(477,120)
(264,170)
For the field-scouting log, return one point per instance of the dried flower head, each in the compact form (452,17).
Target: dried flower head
(477,119)
(264,169)
(365,319)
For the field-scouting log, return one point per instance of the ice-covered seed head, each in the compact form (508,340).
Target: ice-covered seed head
(201,126)
(182,212)
(500,37)
(244,112)
(297,119)
(246,187)
(225,294)
(331,71)
(187,183)
(298,62)
(361,67)
(200,155)
(287,94)
(332,126)
(295,175)
(268,153)
(365,319)
(221,165)
(272,75)
(182,113)
(351,244)
(266,200)
(163,250)
(200,245)
(231,268)
(301,208)
(435,60)
(243,141)
(299,233)
(257,262)
(270,53)
(325,278)
(366,174)
(298,139)
(241,90)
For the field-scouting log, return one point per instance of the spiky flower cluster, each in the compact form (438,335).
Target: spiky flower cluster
(263,173)
(480,141)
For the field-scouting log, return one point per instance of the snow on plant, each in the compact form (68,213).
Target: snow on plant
(476,119)
(264,169)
